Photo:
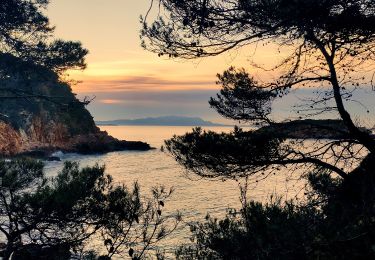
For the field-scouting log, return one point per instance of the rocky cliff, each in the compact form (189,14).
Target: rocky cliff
(40,113)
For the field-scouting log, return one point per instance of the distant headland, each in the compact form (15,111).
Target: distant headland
(161,121)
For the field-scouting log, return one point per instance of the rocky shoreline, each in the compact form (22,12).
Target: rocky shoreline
(48,153)
(58,121)
(14,144)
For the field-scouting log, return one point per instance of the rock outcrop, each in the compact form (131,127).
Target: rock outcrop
(40,113)
(10,139)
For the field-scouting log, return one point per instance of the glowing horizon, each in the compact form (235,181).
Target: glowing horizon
(128,81)
(110,31)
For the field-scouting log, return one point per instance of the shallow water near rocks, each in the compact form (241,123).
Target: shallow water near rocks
(193,197)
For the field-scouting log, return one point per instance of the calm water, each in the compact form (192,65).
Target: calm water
(193,197)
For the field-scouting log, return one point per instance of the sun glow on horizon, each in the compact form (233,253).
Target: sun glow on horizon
(129,81)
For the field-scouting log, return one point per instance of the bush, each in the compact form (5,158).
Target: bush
(40,215)
(337,222)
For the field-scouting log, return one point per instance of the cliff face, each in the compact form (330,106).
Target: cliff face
(43,114)
(10,140)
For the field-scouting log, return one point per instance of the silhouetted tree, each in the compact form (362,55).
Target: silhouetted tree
(25,33)
(330,46)
(29,53)
(331,42)
(62,213)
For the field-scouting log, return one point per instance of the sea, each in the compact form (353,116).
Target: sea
(193,197)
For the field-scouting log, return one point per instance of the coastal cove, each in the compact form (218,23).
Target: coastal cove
(194,197)
(187,130)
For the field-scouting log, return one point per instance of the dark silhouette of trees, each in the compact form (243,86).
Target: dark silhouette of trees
(62,213)
(330,47)
(25,33)
(55,218)
(331,41)
(29,52)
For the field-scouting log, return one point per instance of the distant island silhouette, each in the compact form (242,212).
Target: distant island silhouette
(161,121)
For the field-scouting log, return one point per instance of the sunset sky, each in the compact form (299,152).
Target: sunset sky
(128,81)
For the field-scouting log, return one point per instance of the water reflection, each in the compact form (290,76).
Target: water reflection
(193,197)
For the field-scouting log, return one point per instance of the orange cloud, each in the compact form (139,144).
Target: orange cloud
(144,83)
(110,101)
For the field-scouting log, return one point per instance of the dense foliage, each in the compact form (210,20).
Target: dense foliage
(62,213)
(25,32)
(32,61)
(30,54)
(337,222)
(59,217)
(329,48)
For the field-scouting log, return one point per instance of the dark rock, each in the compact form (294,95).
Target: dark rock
(38,252)
(53,159)
(104,143)
(36,154)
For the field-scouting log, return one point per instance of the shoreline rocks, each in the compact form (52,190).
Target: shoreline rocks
(55,120)
(14,144)
(103,143)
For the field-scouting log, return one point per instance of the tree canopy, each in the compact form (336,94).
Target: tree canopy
(330,48)
(191,29)
(65,211)
(25,33)
(32,59)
